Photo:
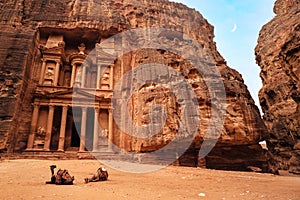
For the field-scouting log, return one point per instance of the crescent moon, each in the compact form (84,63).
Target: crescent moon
(234,28)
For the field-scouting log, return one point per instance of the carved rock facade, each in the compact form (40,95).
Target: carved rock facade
(278,53)
(44,55)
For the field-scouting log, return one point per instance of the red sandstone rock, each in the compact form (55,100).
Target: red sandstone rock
(25,26)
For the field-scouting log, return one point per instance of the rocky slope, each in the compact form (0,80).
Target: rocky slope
(278,53)
(22,22)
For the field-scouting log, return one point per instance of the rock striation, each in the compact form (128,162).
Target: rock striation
(277,53)
(25,25)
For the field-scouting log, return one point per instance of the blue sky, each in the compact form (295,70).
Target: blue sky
(237,45)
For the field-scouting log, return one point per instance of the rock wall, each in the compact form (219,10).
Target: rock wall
(277,53)
(21,23)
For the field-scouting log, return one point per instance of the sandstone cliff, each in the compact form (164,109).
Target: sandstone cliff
(24,22)
(277,53)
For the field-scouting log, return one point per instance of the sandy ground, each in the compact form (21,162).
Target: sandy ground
(25,179)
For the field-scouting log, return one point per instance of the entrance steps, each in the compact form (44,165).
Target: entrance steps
(74,155)
(63,155)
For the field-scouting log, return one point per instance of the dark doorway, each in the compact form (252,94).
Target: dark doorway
(76,127)
(75,139)
(72,142)
(55,129)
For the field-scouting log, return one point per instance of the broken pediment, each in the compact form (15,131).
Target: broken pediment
(55,45)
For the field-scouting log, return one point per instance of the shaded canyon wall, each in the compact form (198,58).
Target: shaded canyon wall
(278,55)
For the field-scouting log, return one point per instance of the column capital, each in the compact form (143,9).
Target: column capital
(84,109)
(65,107)
(36,104)
(51,105)
(58,61)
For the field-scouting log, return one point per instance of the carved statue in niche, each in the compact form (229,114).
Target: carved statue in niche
(40,133)
(49,74)
(104,133)
(78,76)
(81,49)
(105,79)
(39,137)
(67,81)
(67,76)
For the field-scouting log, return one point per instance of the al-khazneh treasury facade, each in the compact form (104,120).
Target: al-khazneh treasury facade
(74,77)
(57,124)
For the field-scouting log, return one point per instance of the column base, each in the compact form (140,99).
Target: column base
(109,150)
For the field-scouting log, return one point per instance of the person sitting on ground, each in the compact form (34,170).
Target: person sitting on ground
(101,175)
(62,177)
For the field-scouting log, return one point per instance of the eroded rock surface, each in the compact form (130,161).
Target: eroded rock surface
(278,53)
(25,25)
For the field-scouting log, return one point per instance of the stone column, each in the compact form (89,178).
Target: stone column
(83,75)
(88,79)
(98,77)
(73,75)
(56,73)
(96,130)
(49,128)
(62,133)
(33,126)
(83,129)
(42,72)
(111,78)
(110,130)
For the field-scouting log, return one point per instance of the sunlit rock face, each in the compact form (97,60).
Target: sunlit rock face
(277,53)
(30,30)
